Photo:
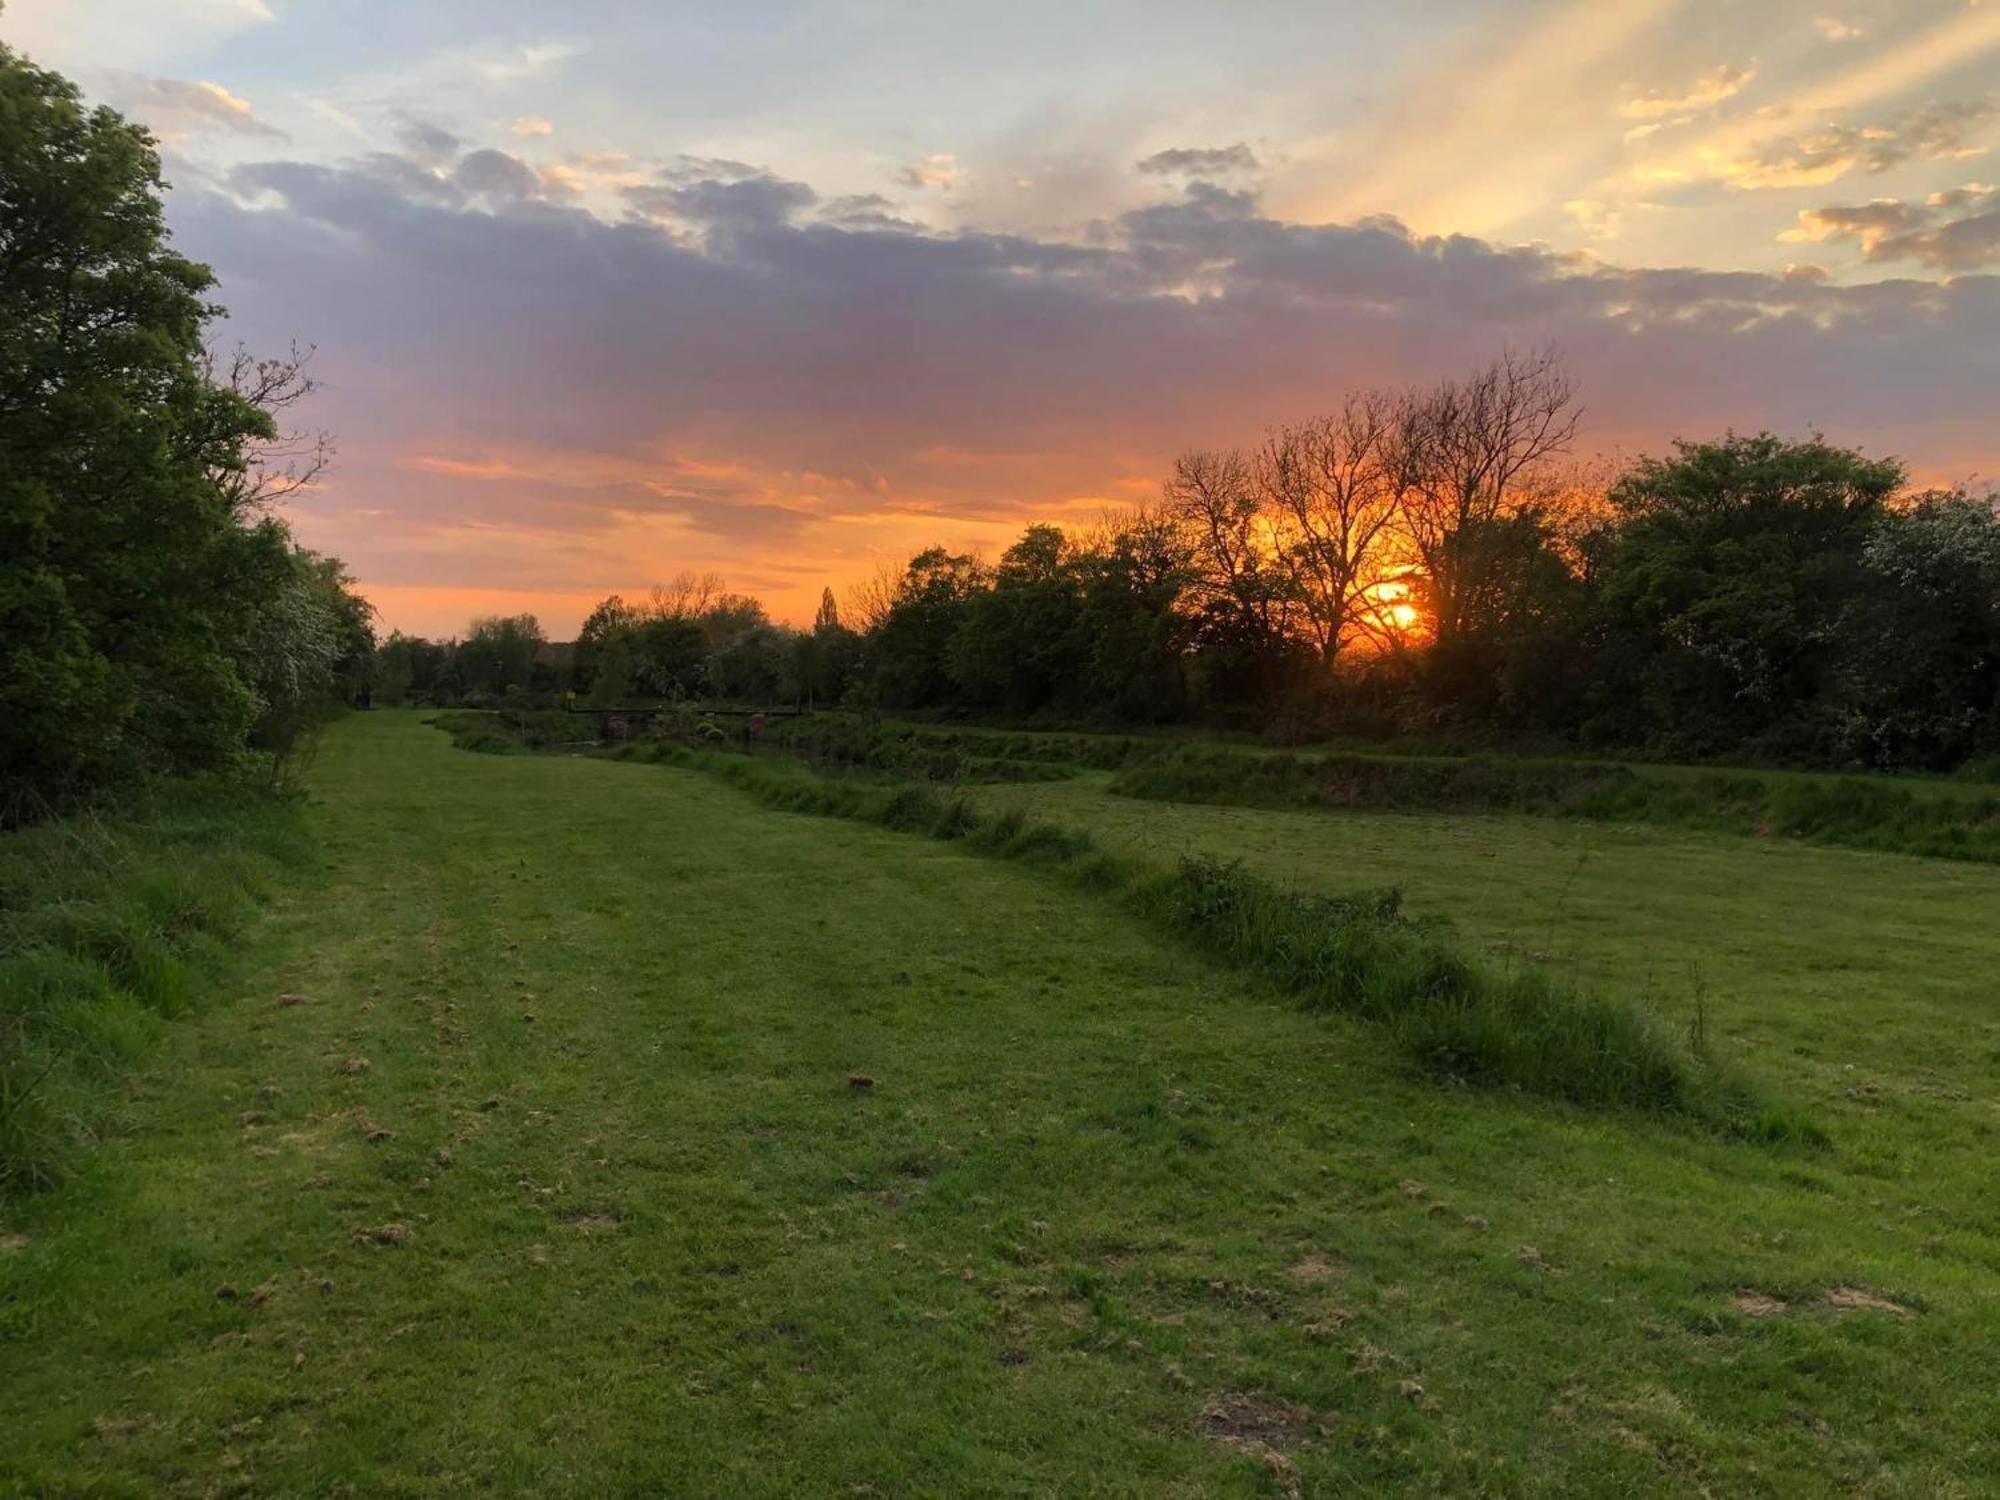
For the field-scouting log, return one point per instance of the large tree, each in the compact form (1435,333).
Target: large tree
(1724,590)
(144,587)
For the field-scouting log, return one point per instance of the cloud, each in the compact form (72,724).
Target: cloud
(532,125)
(939,170)
(533,397)
(174,109)
(517,63)
(1201,161)
(735,199)
(1833,29)
(1598,221)
(1927,132)
(1956,230)
(497,174)
(427,141)
(1705,92)
(865,211)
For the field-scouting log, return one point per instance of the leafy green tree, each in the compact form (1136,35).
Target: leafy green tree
(611,623)
(825,660)
(1021,644)
(1138,632)
(669,656)
(498,653)
(911,648)
(1919,677)
(1723,589)
(136,559)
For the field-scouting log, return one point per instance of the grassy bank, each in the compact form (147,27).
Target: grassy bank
(1463,1019)
(1851,811)
(110,924)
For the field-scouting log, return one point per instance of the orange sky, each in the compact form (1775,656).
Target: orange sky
(788,292)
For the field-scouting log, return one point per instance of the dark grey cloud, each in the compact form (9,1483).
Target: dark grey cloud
(865,211)
(427,141)
(1201,161)
(743,199)
(496,174)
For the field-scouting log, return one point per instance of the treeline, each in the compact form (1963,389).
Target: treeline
(1419,564)
(155,616)
(1432,564)
(689,639)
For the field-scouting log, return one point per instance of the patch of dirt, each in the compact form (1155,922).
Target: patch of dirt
(355,1065)
(1311,1269)
(14,1244)
(1859,1299)
(591,1224)
(1756,1304)
(1534,1260)
(383,1234)
(1262,1428)
(860,1081)
(290,998)
(1241,1419)
(1257,1299)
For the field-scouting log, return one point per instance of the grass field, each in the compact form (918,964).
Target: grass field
(563,1182)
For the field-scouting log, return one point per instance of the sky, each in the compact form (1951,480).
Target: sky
(605,291)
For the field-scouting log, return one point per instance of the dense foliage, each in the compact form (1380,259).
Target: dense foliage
(154,616)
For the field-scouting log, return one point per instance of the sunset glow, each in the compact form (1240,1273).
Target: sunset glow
(592,308)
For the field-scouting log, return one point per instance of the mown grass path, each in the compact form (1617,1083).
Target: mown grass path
(561,1185)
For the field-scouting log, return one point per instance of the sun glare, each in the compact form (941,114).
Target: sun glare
(1393,604)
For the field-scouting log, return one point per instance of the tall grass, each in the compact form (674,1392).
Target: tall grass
(1850,811)
(1461,1017)
(109,923)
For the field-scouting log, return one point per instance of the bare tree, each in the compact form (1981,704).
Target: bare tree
(685,596)
(870,600)
(1213,496)
(281,461)
(1462,452)
(1331,488)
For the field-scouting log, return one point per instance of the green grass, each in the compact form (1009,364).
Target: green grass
(1107,1203)
(1860,812)
(1466,1021)
(109,922)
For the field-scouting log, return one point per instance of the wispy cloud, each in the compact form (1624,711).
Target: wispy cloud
(1201,161)
(1705,92)
(940,170)
(1928,132)
(176,110)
